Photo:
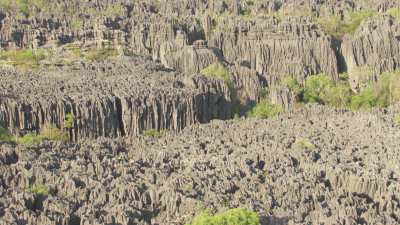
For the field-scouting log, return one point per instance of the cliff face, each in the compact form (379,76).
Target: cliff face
(124,99)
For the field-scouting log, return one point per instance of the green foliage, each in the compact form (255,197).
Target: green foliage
(397,118)
(364,100)
(100,54)
(338,95)
(69,120)
(383,93)
(305,144)
(315,87)
(39,189)
(395,13)
(337,27)
(25,7)
(231,217)
(27,58)
(5,135)
(29,140)
(48,132)
(294,86)
(153,133)
(264,110)
(217,71)
(51,132)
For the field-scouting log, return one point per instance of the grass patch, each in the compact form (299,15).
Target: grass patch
(395,13)
(69,120)
(48,132)
(305,144)
(337,27)
(397,118)
(5,135)
(383,93)
(264,110)
(27,58)
(217,71)
(39,189)
(100,54)
(153,133)
(231,217)
(314,88)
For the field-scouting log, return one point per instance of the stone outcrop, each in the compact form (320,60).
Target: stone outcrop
(374,47)
(294,169)
(115,99)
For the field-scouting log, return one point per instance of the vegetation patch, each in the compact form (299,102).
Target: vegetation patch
(337,27)
(237,216)
(27,58)
(218,71)
(397,118)
(48,132)
(383,93)
(5,135)
(69,120)
(305,144)
(39,189)
(100,54)
(264,110)
(395,13)
(153,133)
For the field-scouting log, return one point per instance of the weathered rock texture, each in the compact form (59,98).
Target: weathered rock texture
(111,98)
(275,38)
(350,176)
(374,47)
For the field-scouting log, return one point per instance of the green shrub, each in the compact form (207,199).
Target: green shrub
(100,54)
(48,132)
(264,110)
(23,58)
(364,100)
(395,13)
(397,118)
(29,140)
(69,120)
(294,86)
(153,133)
(217,71)
(51,132)
(5,135)
(338,28)
(315,87)
(231,217)
(305,144)
(39,189)
(338,95)
(383,93)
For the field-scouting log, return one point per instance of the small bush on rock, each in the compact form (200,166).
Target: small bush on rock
(40,189)
(264,110)
(305,144)
(315,88)
(395,13)
(48,132)
(217,71)
(231,217)
(337,27)
(5,135)
(153,133)
(397,118)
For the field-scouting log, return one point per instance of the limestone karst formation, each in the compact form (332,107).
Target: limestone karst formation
(158,94)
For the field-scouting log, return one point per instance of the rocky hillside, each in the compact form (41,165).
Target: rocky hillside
(294,169)
(139,112)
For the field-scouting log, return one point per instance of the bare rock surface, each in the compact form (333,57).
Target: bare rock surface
(311,166)
(110,98)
